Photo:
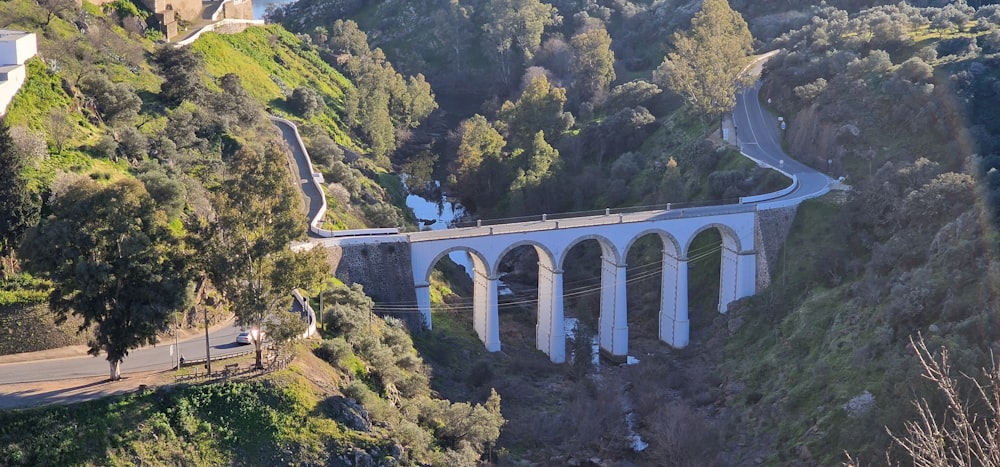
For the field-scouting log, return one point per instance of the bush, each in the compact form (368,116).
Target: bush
(306,101)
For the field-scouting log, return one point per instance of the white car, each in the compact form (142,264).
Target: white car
(248,336)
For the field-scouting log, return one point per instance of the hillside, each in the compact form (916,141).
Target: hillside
(898,99)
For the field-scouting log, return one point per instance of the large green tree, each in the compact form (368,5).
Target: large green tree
(528,194)
(706,62)
(257,217)
(478,164)
(114,261)
(593,62)
(540,108)
(18,206)
(182,69)
(512,27)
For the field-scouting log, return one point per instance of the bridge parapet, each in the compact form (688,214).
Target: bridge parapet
(555,222)
(597,213)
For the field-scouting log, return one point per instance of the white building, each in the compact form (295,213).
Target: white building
(16,47)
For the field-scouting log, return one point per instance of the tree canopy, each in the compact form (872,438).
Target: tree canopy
(114,261)
(257,218)
(707,60)
(514,26)
(18,206)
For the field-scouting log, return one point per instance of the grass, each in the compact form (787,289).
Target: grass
(801,326)
(271,63)
(273,420)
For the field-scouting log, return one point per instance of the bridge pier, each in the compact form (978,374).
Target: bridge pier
(727,277)
(746,277)
(675,327)
(613,332)
(485,313)
(423,290)
(550,332)
(738,276)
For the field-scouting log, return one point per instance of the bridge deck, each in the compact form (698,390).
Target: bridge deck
(577,222)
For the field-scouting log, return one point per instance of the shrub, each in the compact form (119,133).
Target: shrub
(306,101)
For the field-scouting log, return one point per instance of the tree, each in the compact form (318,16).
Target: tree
(60,127)
(707,60)
(55,8)
(306,101)
(514,26)
(114,261)
(19,207)
(235,102)
(116,102)
(593,62)
(257,217)
(526,191)
(182,69)
(478,162)
(631,94)
(966,432)
(540,108)
(418,100)
(324,150)
(347,38)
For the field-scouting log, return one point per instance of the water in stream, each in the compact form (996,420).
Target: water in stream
(437,215)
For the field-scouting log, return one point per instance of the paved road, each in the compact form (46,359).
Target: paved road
(302,171)
(222,341)
(759,137)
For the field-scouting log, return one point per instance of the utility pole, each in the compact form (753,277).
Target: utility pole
(208,348)
(197,300)
(177,348)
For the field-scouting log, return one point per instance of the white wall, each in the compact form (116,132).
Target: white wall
(8,88)
(16,47)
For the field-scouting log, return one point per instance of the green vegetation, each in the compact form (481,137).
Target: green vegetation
(266,421)
(546,107)
(113,261)
(706,63)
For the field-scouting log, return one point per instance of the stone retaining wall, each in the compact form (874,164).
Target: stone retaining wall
(384,269)
(772,228)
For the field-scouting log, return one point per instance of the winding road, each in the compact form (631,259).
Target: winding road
(759,139)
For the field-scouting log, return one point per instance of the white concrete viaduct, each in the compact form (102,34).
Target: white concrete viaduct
(759,139)
(615,233)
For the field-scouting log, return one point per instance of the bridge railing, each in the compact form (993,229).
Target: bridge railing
(599,212)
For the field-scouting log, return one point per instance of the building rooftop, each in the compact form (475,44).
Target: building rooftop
(12,35)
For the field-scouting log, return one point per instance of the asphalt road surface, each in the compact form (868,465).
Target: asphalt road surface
(759,136)
(222,342)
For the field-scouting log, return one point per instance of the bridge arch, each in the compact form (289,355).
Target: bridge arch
(550,332)
(545,255)
(672,317)
(608,248)
(479,261)
(730,238)
(734,261)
